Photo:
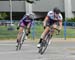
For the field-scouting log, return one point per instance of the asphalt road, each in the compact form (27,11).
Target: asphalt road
(59,49)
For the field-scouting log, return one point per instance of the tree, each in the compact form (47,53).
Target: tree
(3,16)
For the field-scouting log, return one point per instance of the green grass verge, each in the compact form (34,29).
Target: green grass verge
(38,29)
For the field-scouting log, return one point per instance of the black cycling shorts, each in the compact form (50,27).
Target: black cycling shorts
(51,22)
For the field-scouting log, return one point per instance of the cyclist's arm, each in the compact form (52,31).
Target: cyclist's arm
(60,18)
(21,20)
(45,21)
(60,24)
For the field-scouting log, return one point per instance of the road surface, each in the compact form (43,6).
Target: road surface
(59,49)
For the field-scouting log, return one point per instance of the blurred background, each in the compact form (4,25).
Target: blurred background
(11,11)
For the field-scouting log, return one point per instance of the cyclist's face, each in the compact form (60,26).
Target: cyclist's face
(56,15)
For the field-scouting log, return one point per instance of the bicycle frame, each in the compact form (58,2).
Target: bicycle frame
(22,40)
(23,36)
(47,41)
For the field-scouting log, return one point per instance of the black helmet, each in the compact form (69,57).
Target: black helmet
(56,10)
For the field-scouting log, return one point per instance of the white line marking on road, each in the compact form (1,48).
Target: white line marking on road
(7,44)
(9,52)
(13,44)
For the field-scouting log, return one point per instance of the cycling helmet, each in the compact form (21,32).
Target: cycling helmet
(56,10)
(31,15)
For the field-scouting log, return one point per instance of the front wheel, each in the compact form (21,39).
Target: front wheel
(19,44)
(43,47)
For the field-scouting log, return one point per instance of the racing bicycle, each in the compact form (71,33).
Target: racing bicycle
(47,40)
(22,38)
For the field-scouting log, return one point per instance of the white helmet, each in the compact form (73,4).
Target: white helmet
(31,15)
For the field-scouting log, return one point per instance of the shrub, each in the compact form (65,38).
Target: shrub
(70,19)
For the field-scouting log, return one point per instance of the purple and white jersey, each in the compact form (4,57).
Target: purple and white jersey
(25,21)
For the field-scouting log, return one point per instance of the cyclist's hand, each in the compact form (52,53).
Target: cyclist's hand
(17,27)
(58,32)
(44,27)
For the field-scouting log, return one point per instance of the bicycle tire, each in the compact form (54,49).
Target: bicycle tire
(44,46)
(48,39)
(43,49)
(19,45)
(22,40)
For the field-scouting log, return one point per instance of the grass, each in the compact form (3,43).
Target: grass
(38,29)
(70,32)
(7,34)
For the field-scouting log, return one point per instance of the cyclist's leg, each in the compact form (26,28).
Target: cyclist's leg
(21,25)
(44,33)
(19,34)
(28,29)
(54,26)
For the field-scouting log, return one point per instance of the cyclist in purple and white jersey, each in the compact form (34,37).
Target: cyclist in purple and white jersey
(26,21)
